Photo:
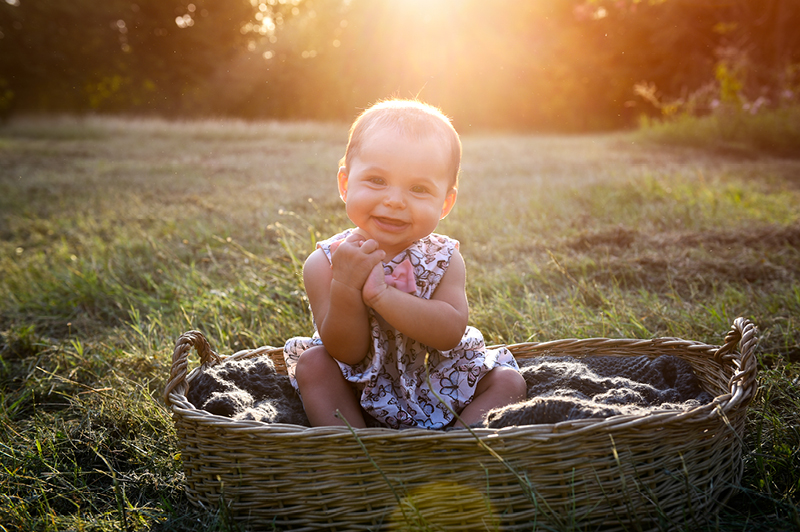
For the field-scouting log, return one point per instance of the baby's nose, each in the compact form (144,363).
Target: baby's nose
(394,198)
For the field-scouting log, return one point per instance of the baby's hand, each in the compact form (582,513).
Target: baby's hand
(353,259)
(374,286)
(401,278)
(358,235)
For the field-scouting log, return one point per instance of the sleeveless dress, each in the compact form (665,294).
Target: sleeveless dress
(392,379)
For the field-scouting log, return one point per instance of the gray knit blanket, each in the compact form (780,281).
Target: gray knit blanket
(248,389)
(559,389)
(566,388)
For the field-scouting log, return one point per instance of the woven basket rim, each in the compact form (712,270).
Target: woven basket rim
(741,388)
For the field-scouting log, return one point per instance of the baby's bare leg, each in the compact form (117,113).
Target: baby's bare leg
(500,387)
(324,390)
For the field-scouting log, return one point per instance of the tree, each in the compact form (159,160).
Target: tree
(151,55)
(567,65)
(696,52)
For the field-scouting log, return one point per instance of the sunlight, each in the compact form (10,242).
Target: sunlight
(423,44)
(434,504)
(425,10)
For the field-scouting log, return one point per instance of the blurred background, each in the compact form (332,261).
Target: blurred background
(535,65)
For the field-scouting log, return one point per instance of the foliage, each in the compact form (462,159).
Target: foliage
(117,235)
(568,65)
(151,55)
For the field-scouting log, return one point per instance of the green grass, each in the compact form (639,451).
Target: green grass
(732,130)
(117,235)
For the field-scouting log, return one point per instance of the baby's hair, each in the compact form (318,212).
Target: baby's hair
(408,117)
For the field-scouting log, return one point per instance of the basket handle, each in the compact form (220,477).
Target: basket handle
(180,358)
(743,331)
(742,384)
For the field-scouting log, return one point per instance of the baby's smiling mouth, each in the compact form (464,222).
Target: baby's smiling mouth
(390,223)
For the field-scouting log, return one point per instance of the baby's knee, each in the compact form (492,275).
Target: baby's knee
(313,364)
(510,380)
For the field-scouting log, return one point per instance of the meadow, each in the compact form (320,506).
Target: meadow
(119,234)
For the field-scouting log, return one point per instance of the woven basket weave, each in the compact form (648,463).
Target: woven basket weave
(651,472)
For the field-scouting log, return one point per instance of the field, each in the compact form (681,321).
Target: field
(117,235)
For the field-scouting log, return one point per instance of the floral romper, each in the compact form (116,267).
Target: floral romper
(391,379)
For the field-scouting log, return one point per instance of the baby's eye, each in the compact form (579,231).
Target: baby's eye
(377,181)
(419,189)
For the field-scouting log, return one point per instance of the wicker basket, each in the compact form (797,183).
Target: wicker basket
(651,472)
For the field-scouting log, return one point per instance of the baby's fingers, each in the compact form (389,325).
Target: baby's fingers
(368,246)
(373,257)
(355,237)
(377,256)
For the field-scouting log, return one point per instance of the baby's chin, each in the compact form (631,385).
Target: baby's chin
(362,233)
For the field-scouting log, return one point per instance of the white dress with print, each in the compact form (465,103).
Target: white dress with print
(392,378)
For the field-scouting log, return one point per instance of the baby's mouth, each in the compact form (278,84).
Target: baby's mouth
(390,223)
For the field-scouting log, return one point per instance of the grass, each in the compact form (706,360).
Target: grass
(732,130)
(117,235)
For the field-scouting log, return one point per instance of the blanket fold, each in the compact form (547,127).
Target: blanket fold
(567,388)
(247,389)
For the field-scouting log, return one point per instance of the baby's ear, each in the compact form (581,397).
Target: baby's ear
(449,201)
(341,178)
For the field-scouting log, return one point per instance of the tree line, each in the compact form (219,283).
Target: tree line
(565,65)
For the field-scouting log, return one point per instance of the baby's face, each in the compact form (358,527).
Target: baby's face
(398,188)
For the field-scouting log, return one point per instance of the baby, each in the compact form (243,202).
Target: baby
(388,296)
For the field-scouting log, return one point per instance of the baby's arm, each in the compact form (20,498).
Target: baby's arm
(438,322)
(335,297)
